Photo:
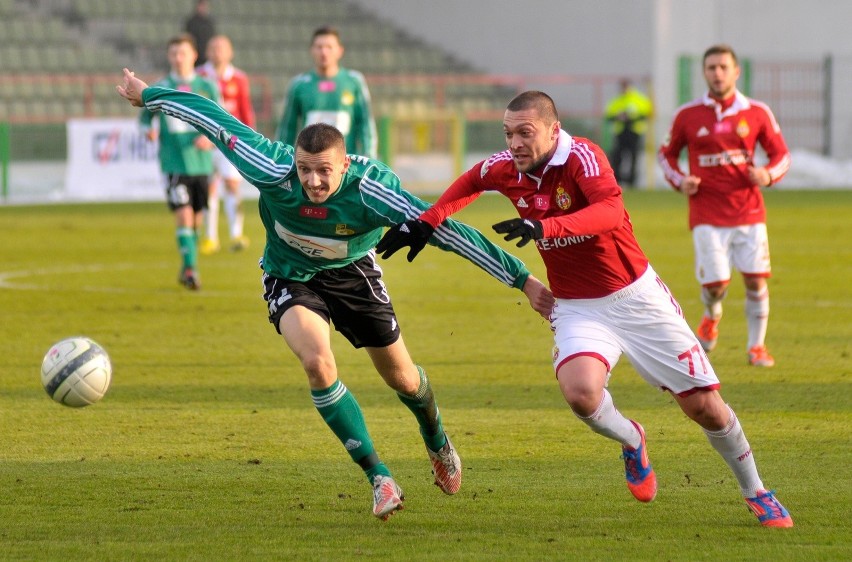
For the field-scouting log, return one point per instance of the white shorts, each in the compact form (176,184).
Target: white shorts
(643,321)
(717,248)
(224,167)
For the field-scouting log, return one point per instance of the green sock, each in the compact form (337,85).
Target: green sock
(187,245)
(423,405)
(343,415)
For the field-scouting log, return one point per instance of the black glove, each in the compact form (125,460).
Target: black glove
(413,233)
(525,229)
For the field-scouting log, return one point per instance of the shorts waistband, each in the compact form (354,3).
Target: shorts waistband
(646,279)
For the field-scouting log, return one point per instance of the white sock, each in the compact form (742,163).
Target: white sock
(757,316)
(712,305)
(234,214)
(609,422)
(732,444)
(212,219)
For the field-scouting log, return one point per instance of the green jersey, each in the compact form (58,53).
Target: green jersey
(304,238)
(342,101)
(178,154)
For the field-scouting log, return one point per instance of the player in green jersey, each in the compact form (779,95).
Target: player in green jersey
(186,157)
(324,211)
(330,94)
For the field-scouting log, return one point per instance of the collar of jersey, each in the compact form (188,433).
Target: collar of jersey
(740,103)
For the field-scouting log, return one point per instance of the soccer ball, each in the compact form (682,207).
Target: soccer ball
(76,372)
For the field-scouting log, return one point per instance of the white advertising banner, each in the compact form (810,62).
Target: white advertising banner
(111,160)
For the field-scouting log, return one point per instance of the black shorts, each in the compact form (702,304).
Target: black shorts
(352,297)
(187,190)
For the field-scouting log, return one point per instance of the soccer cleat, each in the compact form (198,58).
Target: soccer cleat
(758,356)
(208,247)
(769,510)
(707,333)
(239,243)
(641,480)
(387,497)
(447,468)
(190,279)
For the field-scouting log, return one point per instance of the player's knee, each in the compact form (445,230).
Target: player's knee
(320,370)
(582,401)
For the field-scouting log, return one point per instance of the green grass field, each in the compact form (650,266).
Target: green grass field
(207,446)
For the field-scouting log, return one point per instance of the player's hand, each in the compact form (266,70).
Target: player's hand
(203,143)
(131,89)
(759,176)
(540,297)
(525,229)
(689,185)
(413,233)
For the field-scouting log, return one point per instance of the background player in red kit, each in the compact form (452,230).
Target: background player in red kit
(609,301)
(726,212)
(236,98)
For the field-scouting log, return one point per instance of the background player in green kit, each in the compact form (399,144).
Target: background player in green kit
(324,211)
(186,157)
(330,94)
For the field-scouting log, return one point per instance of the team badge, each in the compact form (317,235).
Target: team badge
(563,200)
(742,128)
(346,98)
(343,230)
(555,353)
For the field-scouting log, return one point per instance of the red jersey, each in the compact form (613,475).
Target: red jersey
(720,143)
(588,247)
(234,89)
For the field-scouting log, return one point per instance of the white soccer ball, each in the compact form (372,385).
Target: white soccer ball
(76,372)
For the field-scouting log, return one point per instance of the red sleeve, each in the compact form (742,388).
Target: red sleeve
(772,141)
(591,171)
(244,101)
(669,153)
(459,195)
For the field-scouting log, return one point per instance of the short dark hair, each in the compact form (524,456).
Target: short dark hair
(326,30)
(720,49)
(319,137)
(183,38)
(533,99)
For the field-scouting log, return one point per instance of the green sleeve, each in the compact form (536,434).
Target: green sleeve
(288,126)
(366,136)
(382,193)
(262,162)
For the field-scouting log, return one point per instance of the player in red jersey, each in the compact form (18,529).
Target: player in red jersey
(236,98)
(609,301)
(726,212)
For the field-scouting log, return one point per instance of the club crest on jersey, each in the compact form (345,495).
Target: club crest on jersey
(742,128)
(563,200)
(313,212)
(541,203)
(555,353)
(343,230)
(347,98)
